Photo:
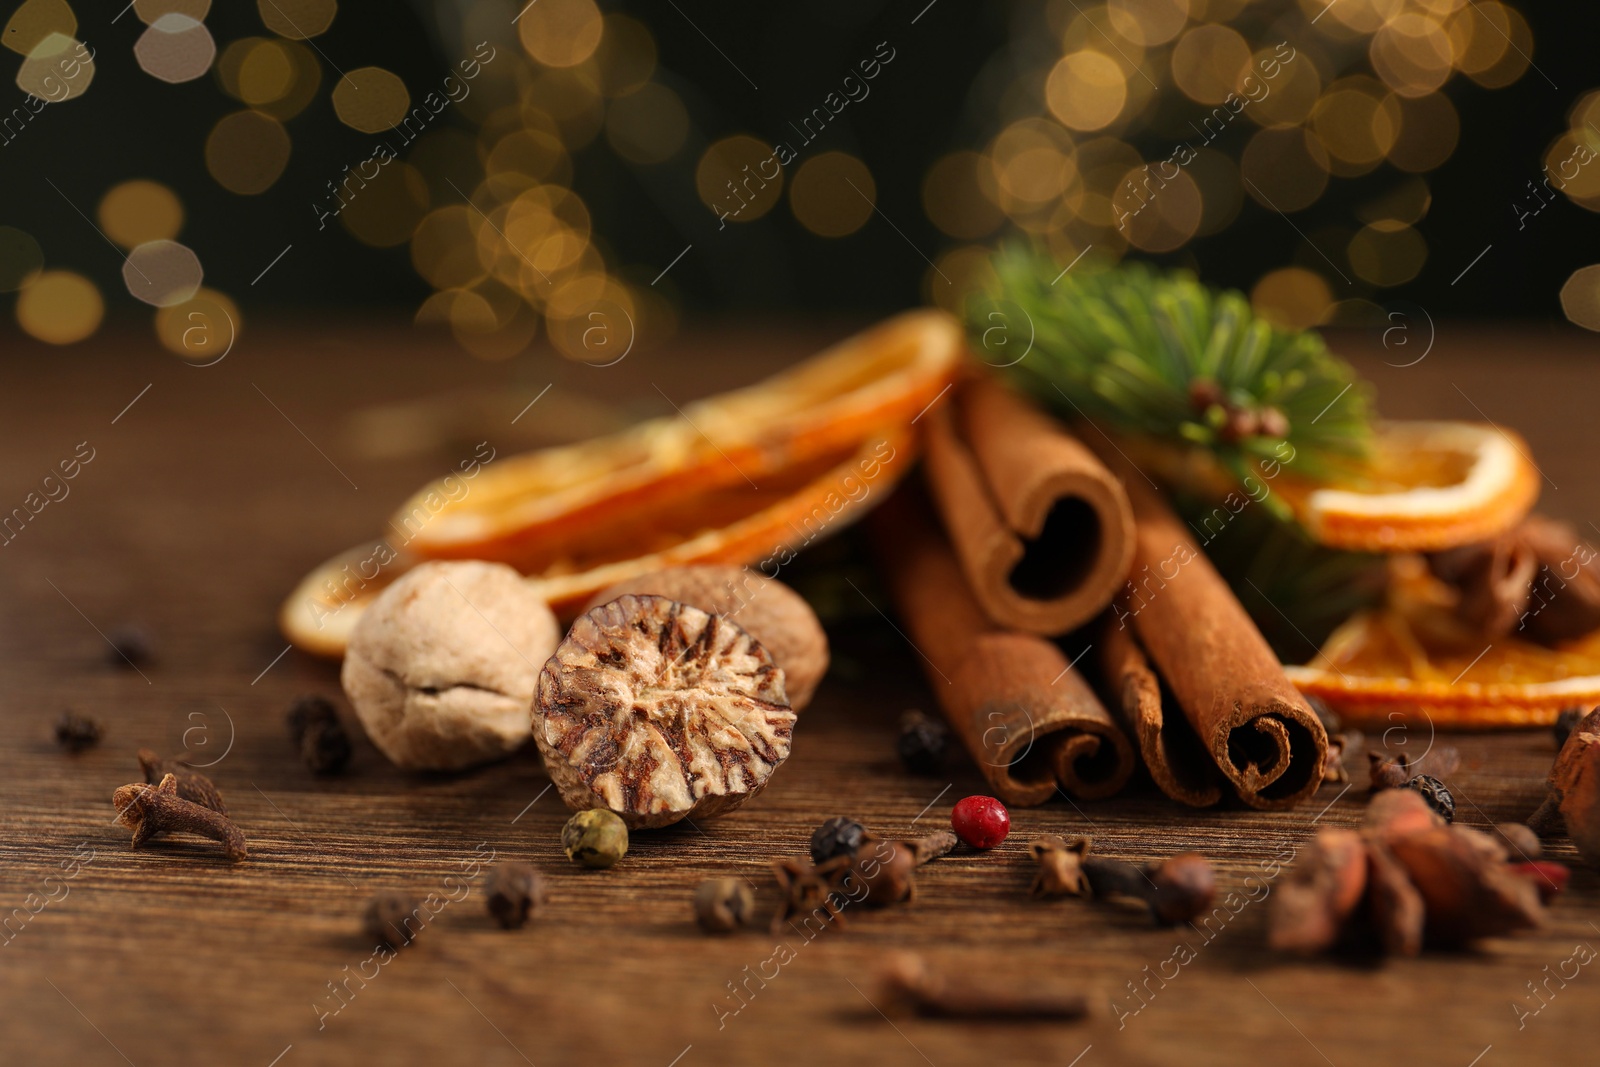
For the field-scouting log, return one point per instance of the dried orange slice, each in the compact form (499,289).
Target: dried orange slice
(531,511)
(1425,486)
(746,477)
(1412,662)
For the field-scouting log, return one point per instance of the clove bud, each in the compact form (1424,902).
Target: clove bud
(514,891)
(1060,866)
(1323,890)
(149,810)
(722,905)
(193,786)
(883,869)
(1175,890)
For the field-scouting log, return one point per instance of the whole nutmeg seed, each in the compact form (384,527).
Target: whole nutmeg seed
(595,838)
(723,904)
(515,891)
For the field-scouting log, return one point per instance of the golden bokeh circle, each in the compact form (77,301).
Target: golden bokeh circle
(57,69)
(1292,297)
(266,73)
(833,194)
(1412,53)
(648,125)
(1429,130)
(1571,166)
(60,307)
(149,11)
(626,56)
(561,33)
(1286,98)
(1148,22)
(1358,121)
(739,178)
(385,211)
(1086,90)
(297,19)
(1387,253)
(201,329)
(36,20)
(1580,298)
(246,152)
(133,212)
(21,259)
(444,247)
(175,48)
(371,99)
(1209,62)
(958,196)
(1158,209)
(162,273)
(1284,169)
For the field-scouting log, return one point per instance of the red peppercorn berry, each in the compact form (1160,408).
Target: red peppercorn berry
(1550,878)
(981,822)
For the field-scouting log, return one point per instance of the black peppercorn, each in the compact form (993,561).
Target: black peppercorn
(393,918)
(514,891)
(1565,723)
(922,743)
(130,647)
(838,836)
(315,730)
(1437,796)
(77,732)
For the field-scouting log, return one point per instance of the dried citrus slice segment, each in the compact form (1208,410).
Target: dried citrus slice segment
(533,510)
(1412,662)
(762,527)
(1425,486)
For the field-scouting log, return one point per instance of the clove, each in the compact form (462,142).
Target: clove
(150,810)
(809,888)
(1060,866)
(392,919)
(881,870)
(1310,908)
(722,905)
(77,733)
(908,984)
(513,892)
(1174,890)
(193,786)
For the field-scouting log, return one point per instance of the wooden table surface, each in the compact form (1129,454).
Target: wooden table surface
(210,495)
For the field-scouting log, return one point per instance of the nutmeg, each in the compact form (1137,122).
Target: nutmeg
(767,610)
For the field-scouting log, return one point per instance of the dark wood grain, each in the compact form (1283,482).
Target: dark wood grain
(210,496)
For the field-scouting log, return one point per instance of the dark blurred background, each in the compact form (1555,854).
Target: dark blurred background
(629,126)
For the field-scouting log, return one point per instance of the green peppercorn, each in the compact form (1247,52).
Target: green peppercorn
(595,838)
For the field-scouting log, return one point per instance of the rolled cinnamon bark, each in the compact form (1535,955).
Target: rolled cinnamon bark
(1257,728)
(1043,531)
(1023,713)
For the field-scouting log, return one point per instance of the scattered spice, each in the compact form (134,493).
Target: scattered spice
(515,891)
(131,647)
(1437,796)
(1418,876)
(722,905)
(76,733)
(908,985)
(1060,866)
(193,786)
(1333,764)
(150,810)
(1519,840)
(1502,589)
(315,730)
(1388,772)
(1175,890)
(923,743)
(981,822)
(1565,723)
(808,889)
(883,869)
(595,838)
(1573,795)
(1549,878)
(386,919)
(839,836)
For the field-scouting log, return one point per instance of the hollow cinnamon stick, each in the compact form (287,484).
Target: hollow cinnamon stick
(1020,709)
(1043,531)
(1259,731)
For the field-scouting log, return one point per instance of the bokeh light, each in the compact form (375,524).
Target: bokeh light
(1148,22)
(34,21)
(1086,90)
(560,33)
(246,152)
(1292,297)
(1209,62)
(297,19)
(1284,169)
(162,273)
(833,194)
(59,68)
(626,56)
(148,11)
(201,329)
(1580,298)
(384,211)
(1387,253)
(21,259)
(648,125)
(133,212)
(175,48)
(739,178)
(60,307)
(371,99)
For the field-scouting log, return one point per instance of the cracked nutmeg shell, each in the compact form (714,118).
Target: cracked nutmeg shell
(659,711)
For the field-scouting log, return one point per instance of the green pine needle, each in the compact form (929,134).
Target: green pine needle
(1157,353)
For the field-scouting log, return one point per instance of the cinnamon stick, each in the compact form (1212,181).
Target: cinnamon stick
(1043,531)
(1256,727)
(1023,713)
